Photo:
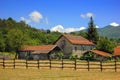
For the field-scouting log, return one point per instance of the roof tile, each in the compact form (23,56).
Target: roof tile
(77,39)
(117,51)
(101,53)
(38,48)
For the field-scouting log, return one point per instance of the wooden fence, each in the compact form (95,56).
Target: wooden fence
(76,64)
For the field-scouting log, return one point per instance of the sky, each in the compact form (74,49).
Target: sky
(62,15)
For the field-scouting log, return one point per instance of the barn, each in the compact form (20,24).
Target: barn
(38,52)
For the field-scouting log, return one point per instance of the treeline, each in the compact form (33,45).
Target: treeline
(14,34)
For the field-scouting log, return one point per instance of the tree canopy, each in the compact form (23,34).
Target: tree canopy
(105,44)
(14,34)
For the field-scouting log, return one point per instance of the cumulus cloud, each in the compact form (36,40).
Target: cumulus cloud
(114,24)
(34,16)
(60,28)
(87,15)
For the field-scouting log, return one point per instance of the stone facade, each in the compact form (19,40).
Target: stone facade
(65,45)
(69,48)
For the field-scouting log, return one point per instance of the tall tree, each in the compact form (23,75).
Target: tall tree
(92,34)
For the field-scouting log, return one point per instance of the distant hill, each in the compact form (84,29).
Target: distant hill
(110,31)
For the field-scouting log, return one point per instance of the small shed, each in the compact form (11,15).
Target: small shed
(38,52)
(98,55)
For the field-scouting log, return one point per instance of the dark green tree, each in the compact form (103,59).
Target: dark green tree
(92,34)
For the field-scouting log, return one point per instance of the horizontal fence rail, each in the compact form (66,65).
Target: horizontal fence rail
(74,64)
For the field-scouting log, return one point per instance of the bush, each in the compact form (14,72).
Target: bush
(73,57)
(88,56)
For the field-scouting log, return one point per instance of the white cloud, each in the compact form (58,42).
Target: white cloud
(97,26)
(22,18)
(35,16)
(46,21)
(25,20)
(114,24)
(60,28)
(87,15)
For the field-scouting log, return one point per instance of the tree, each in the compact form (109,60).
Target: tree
(15,39)
(106,45)
(92,34)
(2,42)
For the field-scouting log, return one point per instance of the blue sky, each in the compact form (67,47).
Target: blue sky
(63,15)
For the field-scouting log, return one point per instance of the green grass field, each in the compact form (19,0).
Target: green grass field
(56,74)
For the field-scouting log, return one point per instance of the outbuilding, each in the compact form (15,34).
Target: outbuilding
(38,52)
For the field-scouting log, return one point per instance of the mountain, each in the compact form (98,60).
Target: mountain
(107,31)
(110,31)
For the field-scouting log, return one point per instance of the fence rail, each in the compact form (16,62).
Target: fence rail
(76,64)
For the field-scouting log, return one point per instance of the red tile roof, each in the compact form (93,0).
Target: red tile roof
(77,39)
(39,49)
(101,53)
(117,51)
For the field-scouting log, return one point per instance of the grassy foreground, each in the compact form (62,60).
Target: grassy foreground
(56,74)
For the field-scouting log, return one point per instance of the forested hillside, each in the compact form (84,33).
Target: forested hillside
(110,31)
(14,34)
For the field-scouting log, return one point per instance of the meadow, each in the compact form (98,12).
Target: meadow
(54,70)
(56,74)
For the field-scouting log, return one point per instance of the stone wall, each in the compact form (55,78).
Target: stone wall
(81,49)
(65,45)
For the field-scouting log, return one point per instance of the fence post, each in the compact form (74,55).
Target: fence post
(50,63)
(26,64)
(101,66)
(14,63)
(88,65)
(38,64)
(75,64)
(62,64)
(115,66)
(3,63)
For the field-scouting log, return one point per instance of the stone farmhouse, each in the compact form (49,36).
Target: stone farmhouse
(76,45)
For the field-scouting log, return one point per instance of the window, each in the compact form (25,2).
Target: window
(75,48)
(63,44)
(83,47)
